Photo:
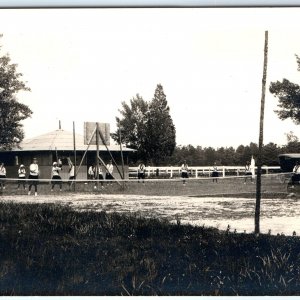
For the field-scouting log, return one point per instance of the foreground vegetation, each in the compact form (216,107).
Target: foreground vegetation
(54,250)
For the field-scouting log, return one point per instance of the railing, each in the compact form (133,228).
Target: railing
(196,172)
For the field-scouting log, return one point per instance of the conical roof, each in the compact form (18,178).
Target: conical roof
(61,140)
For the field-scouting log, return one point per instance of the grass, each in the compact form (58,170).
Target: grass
(271,187)
(54,250)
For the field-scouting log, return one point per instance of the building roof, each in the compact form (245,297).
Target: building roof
(62,140)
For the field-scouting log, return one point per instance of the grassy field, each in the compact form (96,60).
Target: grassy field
(271,185)
(47,249)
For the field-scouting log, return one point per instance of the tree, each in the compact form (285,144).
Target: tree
(293,144)
(240,157)
(12,112)
(133,125)
(229,155)
(270,154)
(148,127)
(288,94)
(291,137)
(210,156)
(161,133)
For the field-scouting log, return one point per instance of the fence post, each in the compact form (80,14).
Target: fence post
(223,171)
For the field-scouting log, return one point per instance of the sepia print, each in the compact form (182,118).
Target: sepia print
(149,151)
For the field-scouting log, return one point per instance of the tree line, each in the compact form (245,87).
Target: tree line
(229,156)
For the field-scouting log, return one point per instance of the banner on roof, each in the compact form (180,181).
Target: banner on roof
(89,130)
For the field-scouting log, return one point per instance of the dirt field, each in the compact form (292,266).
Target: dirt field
(228,202)
(280,215)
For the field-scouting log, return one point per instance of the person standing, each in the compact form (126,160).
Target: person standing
(215,173)
(2,175)
(109,171)
(91,173)
(100,176)
(34,176)
(141,172)
(296,174)
(56,179)
(21,176)
(248,172)
(184,171)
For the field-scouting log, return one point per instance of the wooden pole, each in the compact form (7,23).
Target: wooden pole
(122,158)
(74,145)
(56,154)
(97,154)
(261,133)
(103,163)
(104,143)
(89,143)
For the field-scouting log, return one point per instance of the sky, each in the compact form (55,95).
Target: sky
(82,63)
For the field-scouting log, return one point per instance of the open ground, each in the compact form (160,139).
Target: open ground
(199,202)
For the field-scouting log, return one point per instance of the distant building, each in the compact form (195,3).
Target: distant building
(48,147)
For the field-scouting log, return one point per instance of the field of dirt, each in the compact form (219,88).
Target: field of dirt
(280,215)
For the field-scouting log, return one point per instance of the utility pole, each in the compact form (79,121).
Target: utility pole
(261,134)
(97,154)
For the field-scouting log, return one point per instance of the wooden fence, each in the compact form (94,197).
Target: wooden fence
(203,171)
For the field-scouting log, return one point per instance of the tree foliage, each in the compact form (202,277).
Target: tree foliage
(161,134)
(147,127)
(288,95)
(133,125)
(229,156)
(12,112)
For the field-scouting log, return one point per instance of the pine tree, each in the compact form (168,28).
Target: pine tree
(147,127)
(161,133)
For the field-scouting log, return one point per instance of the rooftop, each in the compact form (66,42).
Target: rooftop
(61,140)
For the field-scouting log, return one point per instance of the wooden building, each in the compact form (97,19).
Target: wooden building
(47,148)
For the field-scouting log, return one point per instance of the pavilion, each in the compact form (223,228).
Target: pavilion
(48,147)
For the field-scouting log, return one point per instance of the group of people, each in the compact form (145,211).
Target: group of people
(185,172)
(107,175)
(33,176)
(55,174)
(94,175)
(21,175)
(215,172)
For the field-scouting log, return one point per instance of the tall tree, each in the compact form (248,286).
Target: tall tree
(133,125)
(161,133)
(147,127)
(12,112)
(288,95)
